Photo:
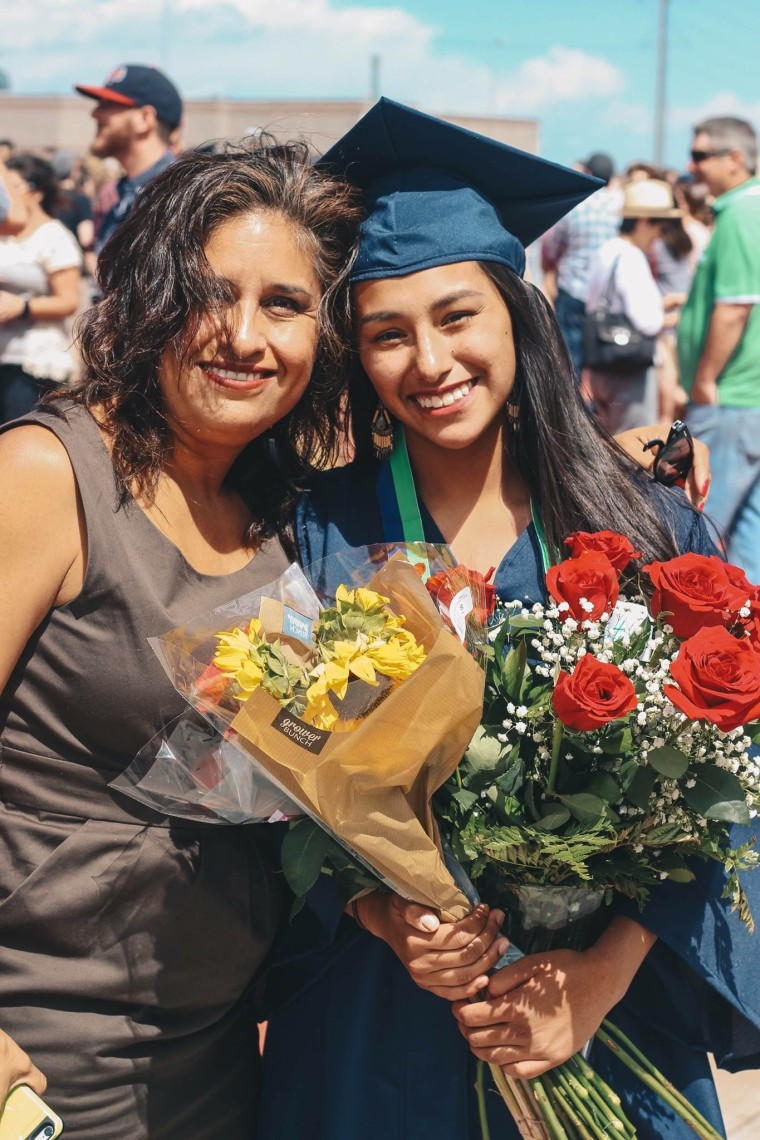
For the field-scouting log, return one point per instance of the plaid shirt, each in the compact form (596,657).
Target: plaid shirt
(573,241)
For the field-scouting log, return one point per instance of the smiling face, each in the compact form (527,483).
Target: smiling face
(228,389)
(439,350)
(717,167)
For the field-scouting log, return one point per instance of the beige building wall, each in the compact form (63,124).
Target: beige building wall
(63,121)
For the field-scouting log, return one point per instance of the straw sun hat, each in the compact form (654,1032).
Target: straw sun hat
(649,198)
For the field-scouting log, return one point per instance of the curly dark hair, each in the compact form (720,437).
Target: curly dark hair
(40,175)
(157,286)
(578,477)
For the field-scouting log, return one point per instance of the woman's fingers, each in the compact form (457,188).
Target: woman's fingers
(451,961)
(420,918)
(454,993)
(484,942)
(483,1014)
(514,975)
(699,478)
(16,1068)
(444,973)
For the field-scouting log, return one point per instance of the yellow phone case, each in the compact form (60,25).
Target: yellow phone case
(25,1116)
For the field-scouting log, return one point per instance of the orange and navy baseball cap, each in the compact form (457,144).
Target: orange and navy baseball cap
(135,85)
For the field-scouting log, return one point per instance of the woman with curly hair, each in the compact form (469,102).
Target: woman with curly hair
(145,496)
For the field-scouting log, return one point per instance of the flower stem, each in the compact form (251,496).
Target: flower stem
(567,1109)
(553,1124)
(480,1088)
(634,1059)
(605,1100)
(559,732)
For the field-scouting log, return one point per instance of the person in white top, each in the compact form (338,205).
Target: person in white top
(40,270)
(12,212)
(626,399)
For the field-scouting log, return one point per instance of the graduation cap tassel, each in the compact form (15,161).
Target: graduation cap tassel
(382,434)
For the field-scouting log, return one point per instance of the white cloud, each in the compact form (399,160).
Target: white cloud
(285,48)
(561,75)
(724,103)
(320,18)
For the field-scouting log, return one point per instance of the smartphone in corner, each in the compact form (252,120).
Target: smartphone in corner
(25,1116)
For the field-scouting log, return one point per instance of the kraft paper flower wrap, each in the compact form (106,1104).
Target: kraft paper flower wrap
(362,757)
(372,787)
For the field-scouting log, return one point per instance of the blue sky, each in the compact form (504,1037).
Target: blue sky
(584,68)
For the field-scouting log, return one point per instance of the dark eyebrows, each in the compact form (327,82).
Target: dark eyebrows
(457,295)
(442,303)
(292,291)
(371,318)
(305,296)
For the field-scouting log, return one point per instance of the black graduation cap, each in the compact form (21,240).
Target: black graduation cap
(439,194)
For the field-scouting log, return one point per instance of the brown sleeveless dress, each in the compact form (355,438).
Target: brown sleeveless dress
(127,940)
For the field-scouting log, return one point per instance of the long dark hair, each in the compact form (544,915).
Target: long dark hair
(576,474)
(675,238)
(39,174)
(157,286)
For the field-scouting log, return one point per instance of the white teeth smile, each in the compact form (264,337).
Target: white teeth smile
(453,396)
(230,374)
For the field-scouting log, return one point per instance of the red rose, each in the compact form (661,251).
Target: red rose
(590,576)
(696,590)
(593,694)
(616,546)
(718,678)
(738,578)
(751,623)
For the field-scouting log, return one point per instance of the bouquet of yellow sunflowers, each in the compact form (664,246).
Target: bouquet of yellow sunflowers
(352,707)
(323,671)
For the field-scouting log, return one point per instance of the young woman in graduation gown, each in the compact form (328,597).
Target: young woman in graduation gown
(466,365)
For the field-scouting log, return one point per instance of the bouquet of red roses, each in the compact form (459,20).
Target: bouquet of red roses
(615,746)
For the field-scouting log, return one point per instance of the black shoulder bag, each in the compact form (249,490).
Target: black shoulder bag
(611,343)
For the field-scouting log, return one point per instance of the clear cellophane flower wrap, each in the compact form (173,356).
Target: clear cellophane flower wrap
(193,768)
(372,787)
(369,779)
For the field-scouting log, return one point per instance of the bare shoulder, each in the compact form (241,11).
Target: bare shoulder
(33,451)
(41,524)
(35,468)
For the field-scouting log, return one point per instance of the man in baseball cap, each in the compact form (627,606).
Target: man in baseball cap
(137,110)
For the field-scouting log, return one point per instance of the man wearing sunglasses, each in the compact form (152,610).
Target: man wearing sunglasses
(719,335)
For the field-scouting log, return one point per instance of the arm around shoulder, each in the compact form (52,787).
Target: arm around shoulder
(42,536)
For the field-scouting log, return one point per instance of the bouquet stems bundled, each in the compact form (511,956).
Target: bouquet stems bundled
(572,1102)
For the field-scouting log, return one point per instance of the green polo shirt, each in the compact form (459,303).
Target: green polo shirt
(729,271)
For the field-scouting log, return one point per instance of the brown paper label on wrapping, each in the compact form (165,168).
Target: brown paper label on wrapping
(304,735)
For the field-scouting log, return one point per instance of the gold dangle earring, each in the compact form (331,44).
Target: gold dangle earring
(513,414)
(382,433)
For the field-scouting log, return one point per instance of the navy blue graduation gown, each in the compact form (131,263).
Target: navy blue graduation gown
(355,1049)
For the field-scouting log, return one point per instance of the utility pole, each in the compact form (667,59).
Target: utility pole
(660,98)
(165,34)
(374,77)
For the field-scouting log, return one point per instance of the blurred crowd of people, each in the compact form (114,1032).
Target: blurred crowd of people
(57,210)
(634,256)
(651,226)
(666,267)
